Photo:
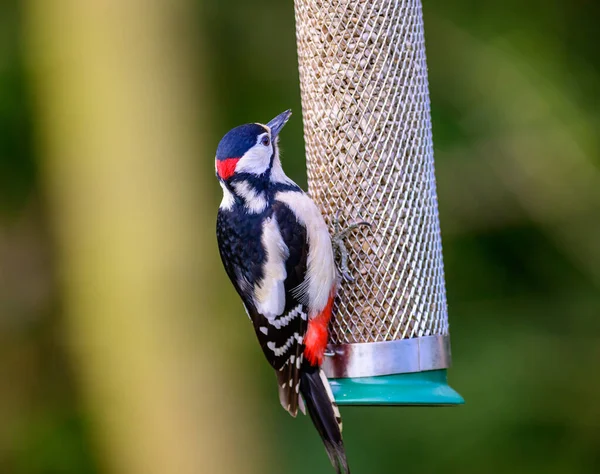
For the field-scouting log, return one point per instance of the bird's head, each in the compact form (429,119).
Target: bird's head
(250,151)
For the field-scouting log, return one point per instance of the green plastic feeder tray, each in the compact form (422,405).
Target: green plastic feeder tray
(402,372)
(419,389)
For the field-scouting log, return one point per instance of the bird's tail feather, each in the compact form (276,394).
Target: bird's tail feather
(325,415)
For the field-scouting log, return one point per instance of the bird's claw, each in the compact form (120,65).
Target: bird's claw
(339,245)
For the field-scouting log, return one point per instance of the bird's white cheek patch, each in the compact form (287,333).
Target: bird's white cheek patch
(255,161)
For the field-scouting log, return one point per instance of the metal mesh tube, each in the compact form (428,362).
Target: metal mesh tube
(367,127)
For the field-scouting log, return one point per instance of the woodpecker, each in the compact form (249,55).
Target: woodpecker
(278,254)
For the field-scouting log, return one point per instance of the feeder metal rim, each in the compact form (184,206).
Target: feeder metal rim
(372,359)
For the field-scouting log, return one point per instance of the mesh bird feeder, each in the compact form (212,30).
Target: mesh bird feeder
(367,128)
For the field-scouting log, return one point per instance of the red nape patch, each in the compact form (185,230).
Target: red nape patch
(316,336)
(226,168)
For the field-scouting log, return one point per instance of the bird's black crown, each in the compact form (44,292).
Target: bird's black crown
(239,140)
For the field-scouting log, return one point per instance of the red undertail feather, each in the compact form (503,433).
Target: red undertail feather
(315,340)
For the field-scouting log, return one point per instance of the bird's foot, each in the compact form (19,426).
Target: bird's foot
(339,245)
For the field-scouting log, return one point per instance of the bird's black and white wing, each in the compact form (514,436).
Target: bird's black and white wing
(267,290)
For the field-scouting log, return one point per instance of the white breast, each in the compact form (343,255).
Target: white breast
(321,274)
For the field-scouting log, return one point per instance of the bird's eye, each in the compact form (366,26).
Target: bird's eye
(266,141)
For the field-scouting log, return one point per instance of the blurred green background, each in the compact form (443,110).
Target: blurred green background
(122,346)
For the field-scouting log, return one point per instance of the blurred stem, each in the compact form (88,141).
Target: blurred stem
(119,139)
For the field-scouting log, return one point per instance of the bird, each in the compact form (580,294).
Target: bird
(278,254)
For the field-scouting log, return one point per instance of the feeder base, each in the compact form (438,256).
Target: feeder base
(419,388)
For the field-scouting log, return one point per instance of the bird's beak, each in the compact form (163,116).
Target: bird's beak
(278,122)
